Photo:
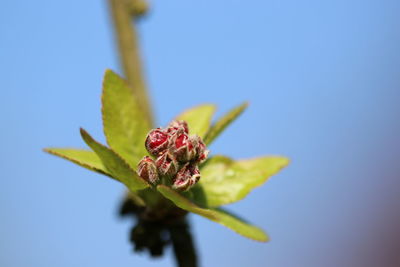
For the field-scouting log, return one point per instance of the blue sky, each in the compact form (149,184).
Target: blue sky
(323,81)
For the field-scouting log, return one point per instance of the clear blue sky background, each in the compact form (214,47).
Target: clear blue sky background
(323,80)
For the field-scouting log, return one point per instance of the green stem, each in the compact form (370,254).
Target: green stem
(123,12)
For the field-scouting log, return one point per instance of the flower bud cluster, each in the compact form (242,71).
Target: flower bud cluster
(176,156)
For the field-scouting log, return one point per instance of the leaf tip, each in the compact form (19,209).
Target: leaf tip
(82,131)
(213,107)
(108,72)
(264,239)
(48,150)
(109,75)
(285,162)
(262,236)
(85,136)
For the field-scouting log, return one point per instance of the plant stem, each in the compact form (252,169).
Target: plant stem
(183,245)
(123,12)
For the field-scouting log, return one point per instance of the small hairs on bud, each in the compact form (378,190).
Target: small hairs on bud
(187,176)
(167,164)
(173,126)
(184,147)
(147,170)
(202,152)
(156,141)
(177,156)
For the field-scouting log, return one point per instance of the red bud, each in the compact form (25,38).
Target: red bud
(177,156)
(188,176)
(184,147)
(147,170)
(167,164)
(202,151)
(156,141)
(175,125)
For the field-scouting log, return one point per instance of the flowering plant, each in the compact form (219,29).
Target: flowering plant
(168,170)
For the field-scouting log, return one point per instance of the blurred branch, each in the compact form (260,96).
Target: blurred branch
(153,235)
(183,245)
(124,13)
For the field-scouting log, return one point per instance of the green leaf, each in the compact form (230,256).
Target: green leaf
(119,169)
(85,158)
(184,203)
(225,181)
(218,127)
(198,118)
(217,215)
(125,124)
(241,226)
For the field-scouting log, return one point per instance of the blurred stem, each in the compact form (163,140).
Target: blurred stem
(183,245)
(124,12)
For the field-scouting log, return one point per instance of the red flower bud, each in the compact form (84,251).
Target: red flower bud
(167,164)
(186,177)
(181,185)
(175,125)
(156,141)
(195,172)
(147,170)
(202,151)
(173,148)
(184,147)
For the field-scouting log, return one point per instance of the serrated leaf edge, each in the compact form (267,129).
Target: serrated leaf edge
(213,214)
(263,240)
(108,72)
(244,192)
(84,132)
(232,114)
(80,163)
(208,214)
